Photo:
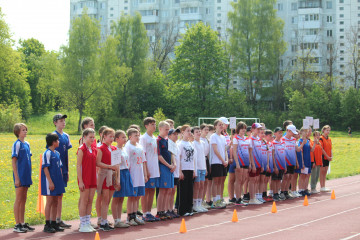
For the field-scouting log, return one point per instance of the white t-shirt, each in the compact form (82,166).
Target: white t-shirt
(149,146)
(200,155)
(187,155)
(124,164)
(136,160)
(177,158)
(206,146)
(220,141)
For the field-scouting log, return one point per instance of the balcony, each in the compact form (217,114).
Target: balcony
(304,11)
(150,19)
(90,11)
(309,4)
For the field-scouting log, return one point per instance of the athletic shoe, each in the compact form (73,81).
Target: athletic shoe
(132,222)
(85,229)
(92,228)
(168,216)
(139,221)
(224,203)
(276,197)
(48,229)
(314,191)
(139,213)
(204,209)
(121,225)
(148,218)
(291,194)
(156,219)
(246,197)
(254,202)
(282,196)
(307,192)
(239,202)
(205,205)
(219,205)
(232,201)
(20,228)
(64,225)
(160,216)
(186,215)
(27,227)
(261,200)
(298,194)
(106,227)
(287,196)
(325,189)
(57,227)
(175,214)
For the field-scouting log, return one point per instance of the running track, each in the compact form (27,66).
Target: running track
(322,219)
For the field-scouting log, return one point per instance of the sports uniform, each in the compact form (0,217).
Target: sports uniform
(105,175)
(52,161)
(207,157)
(271,163)
(264,156)
(255,145)
(88,166)
(127,189)
(64,146)
(200,161)
(217,167)
(149,146)
(279,149)
(136,160)
(166,179)
(21,150)
(306,154)
(242,152)
(290,154)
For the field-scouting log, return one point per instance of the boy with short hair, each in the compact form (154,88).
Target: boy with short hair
(52,183)
(279,163)
(21,164)
(167,166)
(175,153)
(171,123)
(62,149)
(151,166)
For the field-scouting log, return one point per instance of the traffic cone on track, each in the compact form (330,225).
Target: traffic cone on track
(97,236)
(273,209)
(306,202)
(333,195)
(235,217)
(183,226)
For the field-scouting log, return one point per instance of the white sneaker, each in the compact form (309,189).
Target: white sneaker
(202,209)
(85,229)
(254,202)
(121,225)
(91,228)
(314,191)
(325,189)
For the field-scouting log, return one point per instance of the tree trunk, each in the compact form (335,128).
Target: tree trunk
(80,119)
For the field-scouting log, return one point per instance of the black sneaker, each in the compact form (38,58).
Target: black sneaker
(49,229)
(57,227)
(307,192)
(282,196)
(139,213)
(276,197)
(64,225)
(239,202)
(106,227)
(19,229)
(287,196)
(168,215)
(246,197)
(175,214)
(27,227)
(233,200)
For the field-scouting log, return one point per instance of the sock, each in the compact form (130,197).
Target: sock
(214,199)
(271,192)
(217,197)
(103,221)
(58,220)
(47,222)
(82,221)
(88,219)
(194,202)
(199,202)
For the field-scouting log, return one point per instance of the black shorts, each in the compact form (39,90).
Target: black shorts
(226,170)
(217,170)
(208,168)
(263,173)
(290,170)
(176,181)
(267,174)
(245,167)
(278,176)
(325,162)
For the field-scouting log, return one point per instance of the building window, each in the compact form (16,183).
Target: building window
(280,6)
(219,14)
(342,51)
(341,8)
(311,17)
(341,15)
(293,48)
(177,1)
(342,59)
(111,15)
(341,37)
(219,1)
(341,1)
(294,20)
(234,82)
(341,22)
(341,73)
(329,4)
(188,10)
(207,10)
(219,8)
(125,8)
(329,19)
(218,21)
(342,44)
(329,47)
(111,9)
(329,33)
(341,30)
(294,6)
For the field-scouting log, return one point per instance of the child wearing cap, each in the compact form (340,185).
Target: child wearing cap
(63,148)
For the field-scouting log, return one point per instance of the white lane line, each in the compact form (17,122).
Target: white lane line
(245,218)
(350,237)
(302,224)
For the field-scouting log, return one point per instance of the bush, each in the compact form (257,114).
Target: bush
(9,115)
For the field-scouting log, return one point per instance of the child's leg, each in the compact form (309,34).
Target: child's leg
(172,197)
(323,171)
(48,205)
(129,206)
(98,205)
(205,189)
(209,190)
(89,203)
(238,182)
(222,183)
(59,208)
(252,187)
(167,199)
(306,184)
(150,199)
(231,185)
(104,204)
(144,200)
(294,182)
(284,182)
(246,181)
(114,207)
(119,207)
(54,209)
(261,184)
(84,199)
(216,188)
(201,191)
(195,193)
(18,204)
(161,199)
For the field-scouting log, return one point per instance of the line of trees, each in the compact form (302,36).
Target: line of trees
(119,82)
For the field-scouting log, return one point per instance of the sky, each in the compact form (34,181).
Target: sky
(46,20)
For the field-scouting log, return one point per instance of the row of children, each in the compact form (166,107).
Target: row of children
(193,168)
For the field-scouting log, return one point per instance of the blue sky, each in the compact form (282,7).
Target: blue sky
(46,20)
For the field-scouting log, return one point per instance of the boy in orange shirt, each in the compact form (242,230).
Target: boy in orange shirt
(316,161)
(326,144)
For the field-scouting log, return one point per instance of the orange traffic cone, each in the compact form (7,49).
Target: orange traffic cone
(97,236)
(333,195)
(234,217)
(273,209)
(306,202)
(183,226)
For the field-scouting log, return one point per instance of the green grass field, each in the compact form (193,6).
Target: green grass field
(346,163)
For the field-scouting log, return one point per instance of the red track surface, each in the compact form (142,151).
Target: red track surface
(322,219)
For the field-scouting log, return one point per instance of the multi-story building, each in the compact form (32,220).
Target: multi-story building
(313,28)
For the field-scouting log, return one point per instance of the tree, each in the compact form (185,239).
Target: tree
(354,59)
(256,32)
(197,73)
(80,63)
(14,88)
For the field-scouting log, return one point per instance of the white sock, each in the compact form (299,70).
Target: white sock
(199,202)
(103,221)
(217,197)
(82,221)
(194,202)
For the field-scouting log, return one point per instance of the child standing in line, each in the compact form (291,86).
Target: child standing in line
(126,186)
(279,162)
(294,181)
(270,146)
(201,171)
(246,182)
(326,145)
(204,129)
(52,183)
(226,123)
(265,174)
(105,186)
(63,148)
(172,139)
(317,163)
(87,122)
(151,166)
(86,174)
(21,164)
(167,166)
(208,181)
(138,175)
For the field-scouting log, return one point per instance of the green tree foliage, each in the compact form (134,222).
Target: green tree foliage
(80,63)
(197,74)
(14,88)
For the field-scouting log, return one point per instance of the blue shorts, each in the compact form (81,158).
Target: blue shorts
(200,176)
(127,189)
(152,183)
(166,179)
(65,178)
(232,167)
(138,191)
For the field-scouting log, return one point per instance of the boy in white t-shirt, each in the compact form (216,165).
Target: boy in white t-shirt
(172,138)
(199,183)
(218,161)
(149,145)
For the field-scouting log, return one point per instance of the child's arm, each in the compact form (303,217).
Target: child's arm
(297,161)
(47,174)
(145,173)
(234,150)
(274,163)
(78,169)
(15,170)
(214,146)
(268,162)
(162,160)
(146,169)
(251,160)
